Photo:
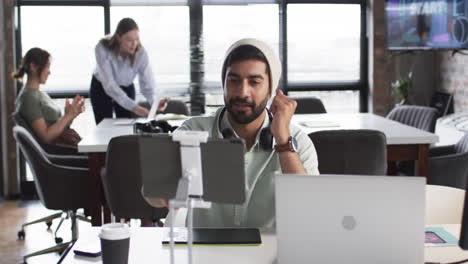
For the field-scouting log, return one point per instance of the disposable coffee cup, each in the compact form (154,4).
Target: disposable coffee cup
(115,243)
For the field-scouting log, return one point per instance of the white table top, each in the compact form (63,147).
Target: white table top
(99,137)
(396,133)
(146,247)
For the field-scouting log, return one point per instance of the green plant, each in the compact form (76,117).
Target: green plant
(401,88)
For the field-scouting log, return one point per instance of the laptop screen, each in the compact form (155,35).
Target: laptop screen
(350,219)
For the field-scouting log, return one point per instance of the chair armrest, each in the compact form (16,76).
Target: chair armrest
(70,161)
(442,151)
(60,149)
(450,170)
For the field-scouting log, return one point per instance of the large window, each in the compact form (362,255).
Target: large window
(164,33)
(320,42)
(223,25)
(69,38)
(323,42)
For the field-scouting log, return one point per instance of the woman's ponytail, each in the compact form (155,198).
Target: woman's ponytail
(19,74)
(36,56)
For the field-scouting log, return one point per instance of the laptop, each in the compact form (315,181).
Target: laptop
(350,219)
(151,115)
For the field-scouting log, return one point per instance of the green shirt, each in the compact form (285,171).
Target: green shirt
(34,104)
(258,209)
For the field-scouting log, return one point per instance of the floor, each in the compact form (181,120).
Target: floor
(12,215)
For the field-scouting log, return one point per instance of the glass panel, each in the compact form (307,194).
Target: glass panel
(238,2)
(323,42)
(68,37)
(223,25)
(334,101)
(147,2)
(164,32)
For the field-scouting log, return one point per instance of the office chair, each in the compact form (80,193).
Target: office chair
(448,165)
(58,154)
(309,105)
(59,187)
(51,148)
(360,151)
(122,182)
(176,107)
(173,106)
(421,117)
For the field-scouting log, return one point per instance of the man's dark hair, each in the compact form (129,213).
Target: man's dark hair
(243,53)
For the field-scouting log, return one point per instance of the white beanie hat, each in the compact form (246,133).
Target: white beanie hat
(273,61)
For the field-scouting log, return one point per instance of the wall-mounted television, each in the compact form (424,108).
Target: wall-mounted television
(427,24)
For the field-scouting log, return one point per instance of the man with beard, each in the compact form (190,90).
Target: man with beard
(250,76)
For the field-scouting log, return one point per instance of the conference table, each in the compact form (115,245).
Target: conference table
(403,143)
(146,247)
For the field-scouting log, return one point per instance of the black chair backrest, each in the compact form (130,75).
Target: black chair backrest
(309,105)
(176,107)
(361,151)
(173,106)
(421,117)
(58,187)
(19,120)
(462,144)
(122,181)
(58,149)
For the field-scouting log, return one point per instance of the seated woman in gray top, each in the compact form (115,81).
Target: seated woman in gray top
(38,109)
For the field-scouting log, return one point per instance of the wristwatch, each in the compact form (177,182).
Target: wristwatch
(290,146)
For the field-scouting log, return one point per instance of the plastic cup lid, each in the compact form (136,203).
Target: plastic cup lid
(114,231)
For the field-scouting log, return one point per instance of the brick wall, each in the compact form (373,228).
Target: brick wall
(386,66)
(453,78)
(381,65)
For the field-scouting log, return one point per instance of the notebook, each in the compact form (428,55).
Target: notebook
(350,219)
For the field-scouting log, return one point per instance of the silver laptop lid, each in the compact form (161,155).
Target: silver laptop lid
(350,219)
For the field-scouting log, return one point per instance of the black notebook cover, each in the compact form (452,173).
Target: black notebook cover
(217,236)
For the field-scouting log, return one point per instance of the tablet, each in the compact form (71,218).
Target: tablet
(217,236)
(222,168)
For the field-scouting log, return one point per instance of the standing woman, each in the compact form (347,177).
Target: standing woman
(119,58)
(38,109)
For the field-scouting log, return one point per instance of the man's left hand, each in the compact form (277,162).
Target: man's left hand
(283,109)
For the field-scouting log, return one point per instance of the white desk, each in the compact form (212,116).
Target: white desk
(145,247)
(98,138)
(396,133)
(403,142)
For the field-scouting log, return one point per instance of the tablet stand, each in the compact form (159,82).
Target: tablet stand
(190,186)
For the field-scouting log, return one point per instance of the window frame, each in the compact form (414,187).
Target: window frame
(19,3)
(196,14)
(362,85)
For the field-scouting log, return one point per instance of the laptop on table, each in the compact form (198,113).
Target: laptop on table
(151,115)
(350,219)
